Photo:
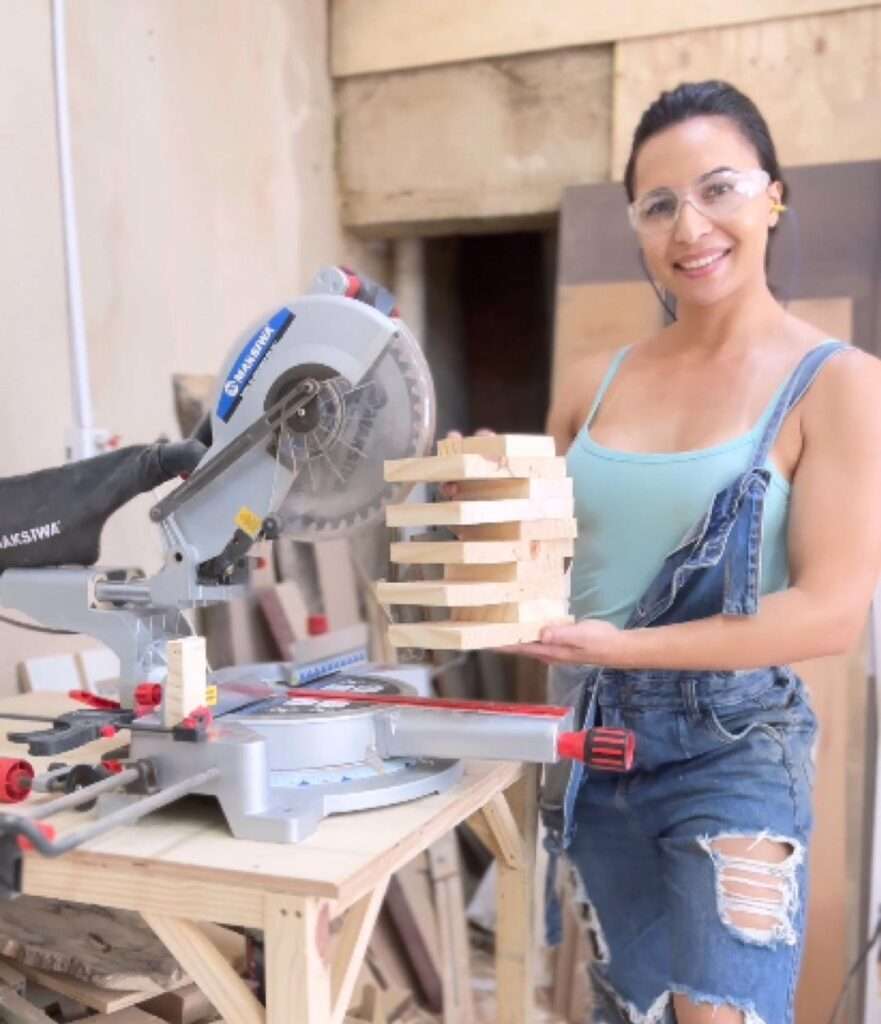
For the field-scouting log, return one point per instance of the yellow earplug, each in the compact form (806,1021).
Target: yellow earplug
(777,208)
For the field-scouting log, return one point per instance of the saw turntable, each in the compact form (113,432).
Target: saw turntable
(311,402)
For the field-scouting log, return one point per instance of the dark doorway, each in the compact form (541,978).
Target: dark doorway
(489,307)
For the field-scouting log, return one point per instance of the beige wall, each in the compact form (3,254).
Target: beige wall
(203,152)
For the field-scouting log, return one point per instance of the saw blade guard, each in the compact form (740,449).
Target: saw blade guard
(319,472)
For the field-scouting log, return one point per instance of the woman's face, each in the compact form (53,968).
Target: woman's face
(699,259)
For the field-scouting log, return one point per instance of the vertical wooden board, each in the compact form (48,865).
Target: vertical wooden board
(835,684)
(443,857)
(594,317)
(833,112)
(336,578)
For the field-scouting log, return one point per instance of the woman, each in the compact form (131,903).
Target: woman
(733,455)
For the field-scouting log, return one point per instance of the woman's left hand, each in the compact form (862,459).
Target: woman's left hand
(589,642)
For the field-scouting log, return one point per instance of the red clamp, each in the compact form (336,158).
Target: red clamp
(94,701)
(48,831)
(609,750)
(198,716)
(147,696)
(15,780)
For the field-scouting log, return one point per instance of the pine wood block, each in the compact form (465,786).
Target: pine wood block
(464,636)
(495,490)
(536,529)
(541,609)
(475,552)
(436,593)
(442,468)
(184,688)
(498,445)
(456,513)
(547,567)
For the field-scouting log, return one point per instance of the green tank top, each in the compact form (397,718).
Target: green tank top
(634,508)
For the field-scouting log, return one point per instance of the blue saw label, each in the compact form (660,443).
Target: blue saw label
(248,362)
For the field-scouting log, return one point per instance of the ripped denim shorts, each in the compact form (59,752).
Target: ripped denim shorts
(670,909)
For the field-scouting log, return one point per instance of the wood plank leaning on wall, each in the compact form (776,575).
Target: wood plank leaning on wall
(390,34)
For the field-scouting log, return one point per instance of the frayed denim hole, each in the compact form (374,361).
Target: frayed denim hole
(765,891)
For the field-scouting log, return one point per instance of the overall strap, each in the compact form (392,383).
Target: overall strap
(614,366)
(802,378)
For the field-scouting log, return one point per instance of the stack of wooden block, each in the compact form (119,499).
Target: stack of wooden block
(504,575)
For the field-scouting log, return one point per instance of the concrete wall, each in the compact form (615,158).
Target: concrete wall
(203,151)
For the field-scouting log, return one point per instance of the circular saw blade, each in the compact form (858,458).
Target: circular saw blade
(335,448)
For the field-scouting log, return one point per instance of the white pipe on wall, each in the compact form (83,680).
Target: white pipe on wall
(81,441)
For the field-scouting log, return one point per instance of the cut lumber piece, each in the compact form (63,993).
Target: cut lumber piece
(495,490)
(102,999)
(425,960)
(476,552)
(525,571)
(438,594)
(441,468)
(464,636)
(456,513)
(541,610)
(184,1006)
(536,529)
(498,445)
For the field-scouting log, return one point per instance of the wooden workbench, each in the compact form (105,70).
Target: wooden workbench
(180,866)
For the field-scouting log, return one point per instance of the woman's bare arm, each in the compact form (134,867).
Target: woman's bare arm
(834,545)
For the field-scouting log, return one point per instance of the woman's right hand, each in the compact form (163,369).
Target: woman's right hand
(450,490)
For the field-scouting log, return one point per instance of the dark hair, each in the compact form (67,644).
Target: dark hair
(705,99)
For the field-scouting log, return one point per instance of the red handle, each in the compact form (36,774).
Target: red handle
(609,750)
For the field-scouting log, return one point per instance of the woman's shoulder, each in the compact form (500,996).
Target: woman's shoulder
(575,386)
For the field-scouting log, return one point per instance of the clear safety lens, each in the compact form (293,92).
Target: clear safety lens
(717,196)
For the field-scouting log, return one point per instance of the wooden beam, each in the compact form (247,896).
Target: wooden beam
(455,513)
(465,636)
(543,121)
(496,828)
(515,922)
(297,937)
(446,594)
(386,35)
(435,468)
(832,116)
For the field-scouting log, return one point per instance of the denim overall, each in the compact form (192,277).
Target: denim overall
(718,754)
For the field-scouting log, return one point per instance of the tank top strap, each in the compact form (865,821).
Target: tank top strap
(614,366)
(795,388)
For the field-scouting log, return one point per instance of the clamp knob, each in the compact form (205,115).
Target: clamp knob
(609,750)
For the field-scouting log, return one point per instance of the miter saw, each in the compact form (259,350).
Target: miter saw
(311,401)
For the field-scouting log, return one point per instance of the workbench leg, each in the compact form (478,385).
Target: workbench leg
(208,968)
(351,947)
(515,922)
(296,958)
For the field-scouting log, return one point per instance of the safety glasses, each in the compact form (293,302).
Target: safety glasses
(717,195)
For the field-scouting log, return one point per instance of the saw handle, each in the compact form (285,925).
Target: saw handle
(600,748)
